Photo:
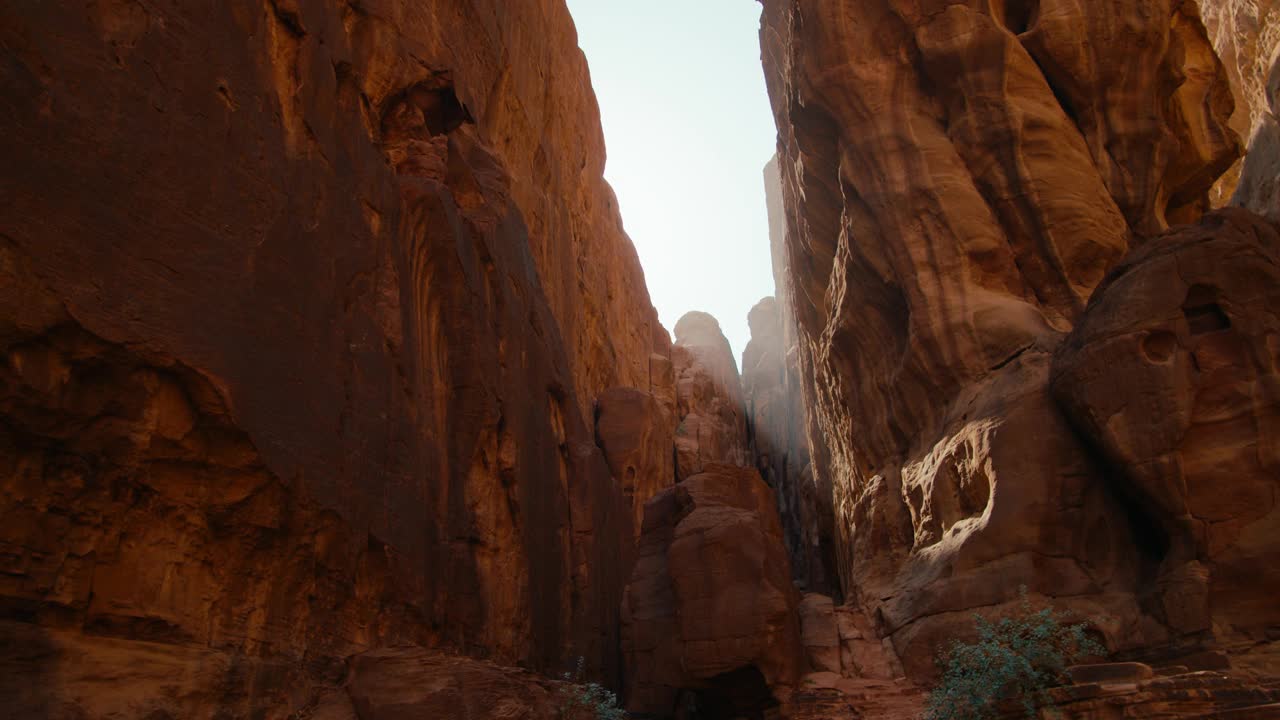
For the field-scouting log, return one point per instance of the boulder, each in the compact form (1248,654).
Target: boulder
(710,609)
(1172,373)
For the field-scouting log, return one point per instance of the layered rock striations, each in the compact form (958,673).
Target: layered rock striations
(1259,185)
(774,394)
(1246,35)
(959,178)
(304,308)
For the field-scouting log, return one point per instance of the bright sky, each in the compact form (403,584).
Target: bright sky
(688,129)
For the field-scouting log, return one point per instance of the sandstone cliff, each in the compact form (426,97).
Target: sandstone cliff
(774,392)
(1246,35)
(959,178)
(711,419)
(304,307)
(330,386)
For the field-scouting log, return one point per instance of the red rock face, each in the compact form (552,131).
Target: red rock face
(303,307)
(1172,373)
(712,424)
(777,399)
(634,430)
(709,615)
(958,179)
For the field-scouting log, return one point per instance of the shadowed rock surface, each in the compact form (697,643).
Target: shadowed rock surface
(634,430)
(773,390)
(303,310)
(710,610)
(958,178)
(1172,374)
(330,387)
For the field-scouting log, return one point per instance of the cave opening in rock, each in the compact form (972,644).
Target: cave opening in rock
(1019,15)
(431,106)
(1203,313)
(738,694)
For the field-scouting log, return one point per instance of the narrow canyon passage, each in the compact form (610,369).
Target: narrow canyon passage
(333,388)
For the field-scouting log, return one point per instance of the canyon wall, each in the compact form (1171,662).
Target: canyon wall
(304,310)
(1246,35)
(774,394)
(959,178)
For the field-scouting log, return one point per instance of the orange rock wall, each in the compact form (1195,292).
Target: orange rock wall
(304,306)
(1246,35)
(958,179)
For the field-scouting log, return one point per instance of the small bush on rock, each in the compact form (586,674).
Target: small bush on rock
(1021,656)
(587,701)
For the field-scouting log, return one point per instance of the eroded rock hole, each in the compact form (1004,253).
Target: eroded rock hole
(441,108)
(415,124)
(1159,346)
(741,693)
(1018,16)
(1202,311)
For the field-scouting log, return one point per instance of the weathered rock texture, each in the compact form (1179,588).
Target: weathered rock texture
(1139,692)
(841,640)
(303,309)
(92,676)
(778,443)
(1173,373)
(711,419)
(634,429)
(710,613)
(1259,187)
(959,177)
(1246,35)
(779,439)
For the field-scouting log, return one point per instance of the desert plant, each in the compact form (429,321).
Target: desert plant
(1019,656)
(587,701)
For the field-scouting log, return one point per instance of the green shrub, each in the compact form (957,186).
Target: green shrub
(587,701)
(1015,657)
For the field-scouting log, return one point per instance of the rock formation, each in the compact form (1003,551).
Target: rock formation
(1173,373)
(776,434)
(711,420)
(330,386)
(303,311)
(773,392)
(95,676)
(709,616)
(1259,186)
(634,429)
(1246,36)
(959,178)
(1140,692)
